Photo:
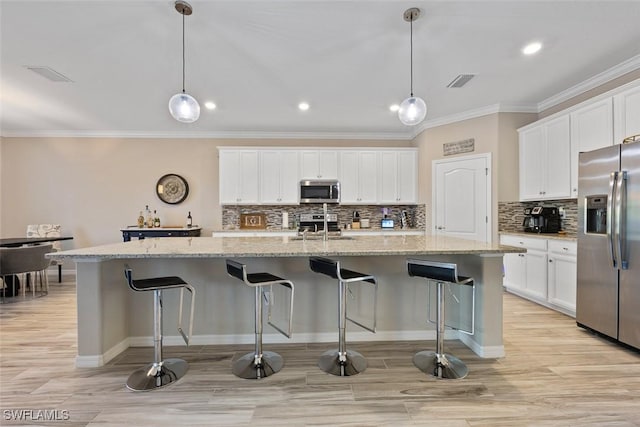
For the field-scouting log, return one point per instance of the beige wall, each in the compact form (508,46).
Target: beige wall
(610,85)
(495,134)
(94,186)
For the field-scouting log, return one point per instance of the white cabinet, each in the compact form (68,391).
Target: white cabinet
(526,274)
(238,177)
(319,164)
(397,176)
(626,108)
(358,177)
(545,154)
(563,274)
(279,176)
(591,128)
(546,274)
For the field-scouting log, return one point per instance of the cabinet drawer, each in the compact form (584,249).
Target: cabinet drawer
(563,247)
(524,242)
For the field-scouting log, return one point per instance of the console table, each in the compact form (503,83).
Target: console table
(141,233)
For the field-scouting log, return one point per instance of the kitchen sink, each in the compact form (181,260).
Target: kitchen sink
(321,237)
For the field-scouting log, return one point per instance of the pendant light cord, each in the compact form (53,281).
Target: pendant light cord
(183,91)
(411,50)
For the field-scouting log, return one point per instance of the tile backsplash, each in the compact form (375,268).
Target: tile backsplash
(415,213)
(511,214)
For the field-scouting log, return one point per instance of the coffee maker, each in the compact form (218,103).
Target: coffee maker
(541,219)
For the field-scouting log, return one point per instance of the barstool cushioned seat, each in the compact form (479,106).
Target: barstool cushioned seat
(438,363)
(340,361)
(260,364)
(161,372)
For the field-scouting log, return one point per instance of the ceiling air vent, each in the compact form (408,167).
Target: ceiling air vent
(461,80)
(48,73)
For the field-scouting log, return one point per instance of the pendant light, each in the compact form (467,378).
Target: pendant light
(182,106)
(413,110)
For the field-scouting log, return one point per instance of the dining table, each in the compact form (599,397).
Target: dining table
(14,242)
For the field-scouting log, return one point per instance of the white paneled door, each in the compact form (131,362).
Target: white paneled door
(461,197)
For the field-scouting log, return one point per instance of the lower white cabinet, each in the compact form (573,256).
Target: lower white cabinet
(545,274)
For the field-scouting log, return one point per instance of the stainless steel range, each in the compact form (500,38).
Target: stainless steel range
(314,223)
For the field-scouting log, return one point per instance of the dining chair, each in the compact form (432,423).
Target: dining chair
(21,261)
(48,230)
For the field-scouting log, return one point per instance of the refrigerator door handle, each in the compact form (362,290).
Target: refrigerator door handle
(611,217)
(621,220)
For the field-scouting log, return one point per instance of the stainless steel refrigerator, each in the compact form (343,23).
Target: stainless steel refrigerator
(608,292)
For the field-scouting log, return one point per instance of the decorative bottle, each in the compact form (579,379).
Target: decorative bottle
(189,220)
(149,221)
(141,220)
(156,219)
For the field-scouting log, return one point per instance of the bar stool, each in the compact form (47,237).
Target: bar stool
(438,363)
(343,362)
(259,363)
(161,372)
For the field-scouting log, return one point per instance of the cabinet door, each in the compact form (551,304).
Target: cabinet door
(536,282)
(367,177)
(289,177)
(319,164)
(229,186)
(558,158)
(269,176)
(349,177)
(388,177)
(591,128)
(407,177)
(532,154)
(238,176)
(514,271)
(627,114)
(562,281)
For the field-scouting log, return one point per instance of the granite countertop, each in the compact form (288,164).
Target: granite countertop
(557,236)
(285,246)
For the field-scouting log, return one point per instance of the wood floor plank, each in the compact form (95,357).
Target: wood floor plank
(554,374)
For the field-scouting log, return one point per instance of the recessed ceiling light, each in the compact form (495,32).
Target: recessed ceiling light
(394,107)
(210,105)
(532,48)
(303,106)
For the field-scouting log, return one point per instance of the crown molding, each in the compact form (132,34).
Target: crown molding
(606,76)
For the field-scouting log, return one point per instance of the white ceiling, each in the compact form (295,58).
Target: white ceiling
(349,59)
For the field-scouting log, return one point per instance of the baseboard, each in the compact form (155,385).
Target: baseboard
(96,361)
(299,338)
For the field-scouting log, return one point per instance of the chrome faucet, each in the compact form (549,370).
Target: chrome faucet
(325,236)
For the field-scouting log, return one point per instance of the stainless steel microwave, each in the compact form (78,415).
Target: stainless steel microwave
(319,191)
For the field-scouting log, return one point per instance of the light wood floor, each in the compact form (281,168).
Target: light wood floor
(554,374)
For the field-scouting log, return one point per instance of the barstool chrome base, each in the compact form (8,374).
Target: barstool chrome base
(353,364)
(246,367)
(154,376)
(440,365)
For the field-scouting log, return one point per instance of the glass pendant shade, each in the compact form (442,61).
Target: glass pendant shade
(412,111)
(184,108)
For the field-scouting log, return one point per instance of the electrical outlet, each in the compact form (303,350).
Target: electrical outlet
(561,212)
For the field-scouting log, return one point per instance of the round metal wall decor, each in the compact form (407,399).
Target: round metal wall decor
(172,189)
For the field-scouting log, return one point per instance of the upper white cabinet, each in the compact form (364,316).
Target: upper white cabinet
(358,177)
(626,107)
(238,177)
(319,164)
(271,175)
(545,152)
(591,128)
(279,176)
(398,172)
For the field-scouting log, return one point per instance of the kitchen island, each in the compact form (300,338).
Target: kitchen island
(111,317)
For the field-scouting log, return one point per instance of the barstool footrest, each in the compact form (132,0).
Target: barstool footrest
(246,367)
(154,376)
(354,364)
(440,365)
